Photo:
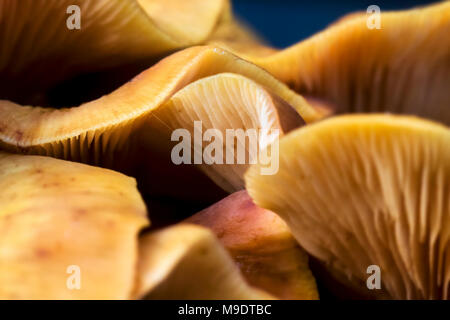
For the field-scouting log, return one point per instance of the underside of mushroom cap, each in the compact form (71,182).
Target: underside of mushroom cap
(403,67)
(61,221)
(35,37)
(227,119)
(262,246)
(366,190)
(107,131)
(27,127)
(354,67)
(186,22)
(188,262)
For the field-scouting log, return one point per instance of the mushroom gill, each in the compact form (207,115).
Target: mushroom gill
(61,220)
(363,190)
(188,262)
(261,245)
(113,131)
(403,67)
(46,58)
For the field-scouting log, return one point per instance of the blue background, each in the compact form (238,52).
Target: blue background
(285,22)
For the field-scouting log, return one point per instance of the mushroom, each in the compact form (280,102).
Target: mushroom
(347,65)
(262,246)
(115,40)
(188,262)
(367,191)
(68,230)
(122,128)
(401,68)
(224,120)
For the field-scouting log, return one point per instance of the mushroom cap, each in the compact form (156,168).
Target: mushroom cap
(401,68)
(66,224)
(113,33)
(364,190)
(218,105)
(55,215)
(188,262)
(123,128)
(262,246)
(27,127)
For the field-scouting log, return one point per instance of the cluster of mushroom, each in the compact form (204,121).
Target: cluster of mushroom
(87,181)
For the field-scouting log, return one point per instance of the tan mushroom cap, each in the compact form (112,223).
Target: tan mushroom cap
(402,68)
(121,129)
(70,231)
(367,190)
(60,219)
(134,100)
(390,69)
(237,118)
(262,246)
(35,38)
(188,262)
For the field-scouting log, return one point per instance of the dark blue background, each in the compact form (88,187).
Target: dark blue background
(284,22)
